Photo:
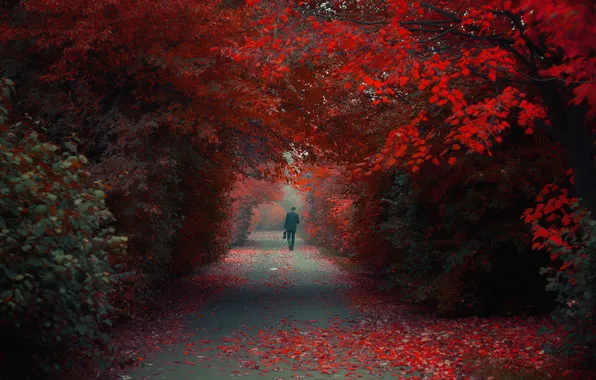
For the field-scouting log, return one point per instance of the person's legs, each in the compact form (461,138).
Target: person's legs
(289,237)
(293,236)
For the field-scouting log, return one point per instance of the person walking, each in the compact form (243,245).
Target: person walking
(292,221)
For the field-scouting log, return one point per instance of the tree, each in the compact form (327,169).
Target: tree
(450,81)
(271,216)
(165,120)
(462,71)
(248,194)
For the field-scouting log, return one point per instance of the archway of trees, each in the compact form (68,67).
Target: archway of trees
(447,145)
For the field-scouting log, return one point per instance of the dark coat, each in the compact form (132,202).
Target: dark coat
(292,220)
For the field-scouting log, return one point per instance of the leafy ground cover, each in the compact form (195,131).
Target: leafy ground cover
(282,315)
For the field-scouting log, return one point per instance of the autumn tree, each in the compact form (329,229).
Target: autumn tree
(532,60)
(248,195)
(270,216)
(164,118)
(451,81)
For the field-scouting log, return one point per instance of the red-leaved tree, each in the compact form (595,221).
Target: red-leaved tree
(462,71)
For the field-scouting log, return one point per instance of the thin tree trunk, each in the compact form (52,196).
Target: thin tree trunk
(568,126)
(580,150)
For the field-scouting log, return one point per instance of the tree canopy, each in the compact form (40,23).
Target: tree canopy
(442,142)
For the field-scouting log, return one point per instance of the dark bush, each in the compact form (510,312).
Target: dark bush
(55,240)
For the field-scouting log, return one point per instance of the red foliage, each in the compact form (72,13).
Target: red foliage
(249,193)
(253,191)
(458,73)
(270,216)
(207,229)
(341,212)
(370,87)
(150,75)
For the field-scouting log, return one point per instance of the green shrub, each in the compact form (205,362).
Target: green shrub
(55,242)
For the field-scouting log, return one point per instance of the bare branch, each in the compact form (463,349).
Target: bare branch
(427,22)
(442,11)
(531,45)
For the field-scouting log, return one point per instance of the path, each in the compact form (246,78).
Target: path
(286,315)
(284,290)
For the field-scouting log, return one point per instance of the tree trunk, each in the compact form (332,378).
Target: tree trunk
(569,127)
(580,150)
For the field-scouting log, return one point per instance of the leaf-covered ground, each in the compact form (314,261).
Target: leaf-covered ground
(267,313)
